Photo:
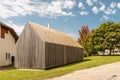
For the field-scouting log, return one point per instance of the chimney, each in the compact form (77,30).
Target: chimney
(48,25)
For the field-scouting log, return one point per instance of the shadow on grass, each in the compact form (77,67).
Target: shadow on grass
(111,55)
(86,60)
(69,64)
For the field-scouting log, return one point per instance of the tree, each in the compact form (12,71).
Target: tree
(106,36)
(118,35)
(92,50)
(84,39)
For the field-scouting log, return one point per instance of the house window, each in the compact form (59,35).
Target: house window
(7,56)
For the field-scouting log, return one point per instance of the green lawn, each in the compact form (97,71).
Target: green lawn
(43,74)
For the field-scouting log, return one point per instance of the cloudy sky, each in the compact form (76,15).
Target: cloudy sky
(64,15)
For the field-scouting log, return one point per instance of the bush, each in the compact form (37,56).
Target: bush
(85,53)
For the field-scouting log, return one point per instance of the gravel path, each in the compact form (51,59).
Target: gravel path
(104,72)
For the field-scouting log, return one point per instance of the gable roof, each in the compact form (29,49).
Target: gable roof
(12,31)
(53,36)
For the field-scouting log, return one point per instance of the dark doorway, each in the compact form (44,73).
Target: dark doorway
(12,60)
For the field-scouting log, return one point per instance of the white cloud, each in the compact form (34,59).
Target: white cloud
(80,5)
(84,13)
(113,5)
(110,11)
(16,8)
(95,10)
(102,8)
(118,5)
(95,1)
(68,3)
(17,27)
(105,17)
(89,2)
(12,8)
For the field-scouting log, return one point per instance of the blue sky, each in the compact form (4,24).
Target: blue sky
(64,15)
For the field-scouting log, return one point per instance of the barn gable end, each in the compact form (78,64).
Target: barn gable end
(28,48)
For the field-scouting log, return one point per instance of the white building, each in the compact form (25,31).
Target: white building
(8,38)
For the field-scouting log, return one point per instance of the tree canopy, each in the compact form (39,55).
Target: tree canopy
(106,36)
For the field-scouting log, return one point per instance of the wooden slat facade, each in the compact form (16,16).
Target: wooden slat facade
(35,53)
(57,55)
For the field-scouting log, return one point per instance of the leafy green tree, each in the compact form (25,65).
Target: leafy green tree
(118,35)
(92,50)
(106,36)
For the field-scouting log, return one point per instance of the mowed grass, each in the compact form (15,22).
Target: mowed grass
(43,74)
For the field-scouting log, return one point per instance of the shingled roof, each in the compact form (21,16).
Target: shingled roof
(12,31)
(53,36)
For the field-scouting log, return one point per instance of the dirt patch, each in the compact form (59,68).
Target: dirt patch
(4,68)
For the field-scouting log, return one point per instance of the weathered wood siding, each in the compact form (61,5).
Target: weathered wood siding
(57,55)
(54,55)
(30,50)
(73,54)
(41,48)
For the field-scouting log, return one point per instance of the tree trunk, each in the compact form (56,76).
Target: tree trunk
(103,52)
(110,50)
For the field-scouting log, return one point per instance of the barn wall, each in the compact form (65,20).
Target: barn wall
(57,55)
(73,54)
(30,50)
(54,55)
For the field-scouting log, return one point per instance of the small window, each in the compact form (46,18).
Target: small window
(7,56)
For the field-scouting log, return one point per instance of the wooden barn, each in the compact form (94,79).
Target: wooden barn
(41,48)
(8,38)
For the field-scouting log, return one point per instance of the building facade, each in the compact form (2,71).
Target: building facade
(8,38)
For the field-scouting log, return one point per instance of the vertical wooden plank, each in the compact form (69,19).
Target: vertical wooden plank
(64,54)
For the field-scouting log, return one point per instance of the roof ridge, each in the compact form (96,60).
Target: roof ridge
(53,36)
(29,22)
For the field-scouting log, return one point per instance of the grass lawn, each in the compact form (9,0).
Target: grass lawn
(43,74)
